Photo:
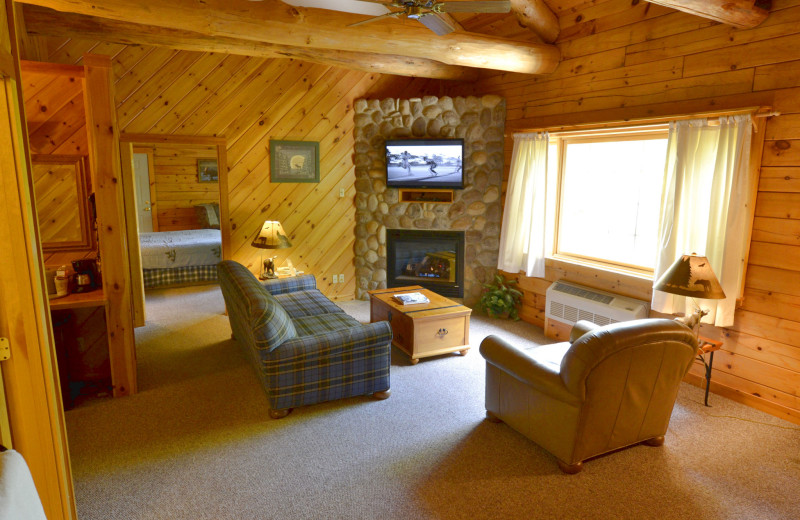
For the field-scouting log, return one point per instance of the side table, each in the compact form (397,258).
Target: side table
(707,346)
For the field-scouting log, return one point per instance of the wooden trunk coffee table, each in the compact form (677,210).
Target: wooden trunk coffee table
(423,329)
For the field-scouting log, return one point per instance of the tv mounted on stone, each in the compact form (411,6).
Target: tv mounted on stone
(425,163)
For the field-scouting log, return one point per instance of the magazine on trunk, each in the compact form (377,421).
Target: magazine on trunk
(410,298)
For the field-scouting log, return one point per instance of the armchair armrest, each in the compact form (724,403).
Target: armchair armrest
(307,349)
(581,328)
(518,363)
(303,282)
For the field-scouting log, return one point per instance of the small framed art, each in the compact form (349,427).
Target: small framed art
(294,161)
(207,170)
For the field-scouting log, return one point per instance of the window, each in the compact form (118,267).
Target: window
(609,195)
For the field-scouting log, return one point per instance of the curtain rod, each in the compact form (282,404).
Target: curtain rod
(759,111)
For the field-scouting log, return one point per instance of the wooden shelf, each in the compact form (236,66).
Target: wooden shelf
(94,298)
(427,196)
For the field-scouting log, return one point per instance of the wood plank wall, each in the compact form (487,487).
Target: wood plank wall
(176,187)
(629,59)
(56,118)
(249,101)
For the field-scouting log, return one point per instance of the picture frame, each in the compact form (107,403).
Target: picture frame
(293,161)
(207,170)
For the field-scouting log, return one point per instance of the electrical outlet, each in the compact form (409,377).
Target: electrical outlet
(335,279)
(341,193)
(341,278)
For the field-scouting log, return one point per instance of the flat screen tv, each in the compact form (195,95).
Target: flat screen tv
(425,163)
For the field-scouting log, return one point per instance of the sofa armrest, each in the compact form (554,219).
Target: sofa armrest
(303,282)
(522,366)
(306,349)
(581,328)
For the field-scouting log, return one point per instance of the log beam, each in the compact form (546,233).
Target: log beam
(536,16)
(46,22)
(743,14)
(273,21)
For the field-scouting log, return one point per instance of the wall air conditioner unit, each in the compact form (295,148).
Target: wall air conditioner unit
(568,302)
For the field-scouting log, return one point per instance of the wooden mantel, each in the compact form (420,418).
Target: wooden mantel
(275,22)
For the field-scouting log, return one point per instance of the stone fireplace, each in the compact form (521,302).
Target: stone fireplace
(432,259)
(475,210)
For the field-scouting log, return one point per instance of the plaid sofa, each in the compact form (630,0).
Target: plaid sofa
(305,349)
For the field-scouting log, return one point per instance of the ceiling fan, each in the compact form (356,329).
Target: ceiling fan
(433,14)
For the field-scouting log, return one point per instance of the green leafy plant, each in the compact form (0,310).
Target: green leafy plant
(499,299)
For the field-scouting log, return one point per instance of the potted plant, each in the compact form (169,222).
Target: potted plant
(499,299)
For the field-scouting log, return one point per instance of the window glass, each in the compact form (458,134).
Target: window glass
(610,198)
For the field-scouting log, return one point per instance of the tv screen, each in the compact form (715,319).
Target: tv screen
(425,163)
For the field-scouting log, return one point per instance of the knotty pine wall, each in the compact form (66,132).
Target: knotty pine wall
(248,101)
(631,59)
(56,118)
(176,187)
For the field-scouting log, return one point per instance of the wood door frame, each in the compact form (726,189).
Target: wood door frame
(30,376)
(222,164)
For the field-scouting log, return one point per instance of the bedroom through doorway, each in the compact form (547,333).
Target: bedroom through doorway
(177,228)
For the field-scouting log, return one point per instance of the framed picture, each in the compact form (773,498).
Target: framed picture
(294,161)
(207,170)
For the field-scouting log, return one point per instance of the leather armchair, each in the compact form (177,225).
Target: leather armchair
(607,388)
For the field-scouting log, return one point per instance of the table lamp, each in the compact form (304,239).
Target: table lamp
(270,236)
(691,275)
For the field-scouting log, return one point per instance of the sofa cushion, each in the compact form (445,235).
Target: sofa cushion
(307,303)
(271,324)
(322,323)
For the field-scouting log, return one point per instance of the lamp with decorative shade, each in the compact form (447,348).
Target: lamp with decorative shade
(271,236)
(692,276)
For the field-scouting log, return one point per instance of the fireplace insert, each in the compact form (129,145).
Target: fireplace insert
(432,259)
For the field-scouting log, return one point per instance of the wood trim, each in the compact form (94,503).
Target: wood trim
(224,216)
(30,376)
(132,230)
(51,68)
(171,139)
(101,123)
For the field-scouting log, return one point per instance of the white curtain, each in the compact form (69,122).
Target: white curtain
(704,208)
(522,238)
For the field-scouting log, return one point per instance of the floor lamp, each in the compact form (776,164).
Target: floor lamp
(270,236)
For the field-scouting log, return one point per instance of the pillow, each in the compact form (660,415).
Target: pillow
(208,215)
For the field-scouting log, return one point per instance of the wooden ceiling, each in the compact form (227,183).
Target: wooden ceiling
(271,28)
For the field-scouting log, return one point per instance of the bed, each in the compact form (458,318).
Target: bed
(180,257)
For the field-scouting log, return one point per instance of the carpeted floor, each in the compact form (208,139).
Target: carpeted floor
(196,443)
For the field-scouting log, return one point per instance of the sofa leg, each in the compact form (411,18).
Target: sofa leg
(384,394)
(655,441)
(492,417)
(570,469)
(279,414)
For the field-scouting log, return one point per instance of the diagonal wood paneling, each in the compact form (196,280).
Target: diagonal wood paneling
(250,101)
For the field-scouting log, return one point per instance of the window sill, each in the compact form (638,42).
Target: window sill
(568,261)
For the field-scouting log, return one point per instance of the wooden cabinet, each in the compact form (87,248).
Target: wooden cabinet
(423,330)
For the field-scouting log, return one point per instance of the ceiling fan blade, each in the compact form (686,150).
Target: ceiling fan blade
(376,18)
(476,6)
(436,23)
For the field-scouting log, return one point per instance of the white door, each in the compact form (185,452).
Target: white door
(141,172)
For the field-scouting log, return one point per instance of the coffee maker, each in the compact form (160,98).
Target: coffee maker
(87,277)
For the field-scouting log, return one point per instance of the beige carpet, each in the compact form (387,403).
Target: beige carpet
(196,443)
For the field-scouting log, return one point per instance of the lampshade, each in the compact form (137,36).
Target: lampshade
(271,236)
(691,275)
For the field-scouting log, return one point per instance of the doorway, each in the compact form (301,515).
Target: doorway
(175,194)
